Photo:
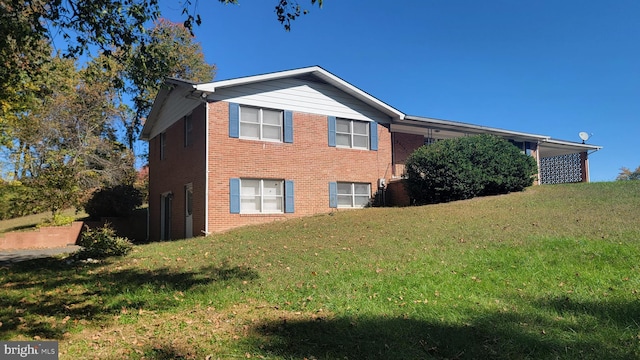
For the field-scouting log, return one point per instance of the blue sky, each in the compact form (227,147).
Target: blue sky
(546,67)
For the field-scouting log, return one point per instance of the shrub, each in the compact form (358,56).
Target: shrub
(462,168)
(103,242)
(18,199)
(57,220)
(117,201)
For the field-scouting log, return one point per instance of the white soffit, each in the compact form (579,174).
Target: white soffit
(173,101)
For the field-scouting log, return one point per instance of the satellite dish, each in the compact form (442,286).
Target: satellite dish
(584,136)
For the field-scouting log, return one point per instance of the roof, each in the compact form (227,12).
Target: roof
(443,129)
(163,113)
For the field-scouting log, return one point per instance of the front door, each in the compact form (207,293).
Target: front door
(165,216)
(188,213)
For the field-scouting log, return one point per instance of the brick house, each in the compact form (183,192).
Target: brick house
(293,143)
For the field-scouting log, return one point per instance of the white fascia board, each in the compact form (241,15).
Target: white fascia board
(462,127)
(158,120)
(316,71)
(586,147)
(212,86)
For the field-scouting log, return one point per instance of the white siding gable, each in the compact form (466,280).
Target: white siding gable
(176,106)
(300,96)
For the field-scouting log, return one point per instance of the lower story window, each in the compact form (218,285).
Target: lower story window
(261,196)
(353,194)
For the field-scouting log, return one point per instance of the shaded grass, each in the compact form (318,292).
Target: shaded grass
(548,273)
(30,222)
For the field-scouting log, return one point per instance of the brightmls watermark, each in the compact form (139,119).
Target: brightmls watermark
(35,350)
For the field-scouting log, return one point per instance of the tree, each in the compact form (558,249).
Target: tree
(168,50)
(106,25)
(627,174)
(466,167)
(65,145)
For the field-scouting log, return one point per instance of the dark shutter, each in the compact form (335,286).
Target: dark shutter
(234,120)
(332,130)
(234,195)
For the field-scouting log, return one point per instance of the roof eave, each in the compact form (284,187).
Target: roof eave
(159,102)
(462,127)
(316,71)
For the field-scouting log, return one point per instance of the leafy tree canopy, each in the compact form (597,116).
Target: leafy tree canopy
(627,174)
(113,27)
(168,51)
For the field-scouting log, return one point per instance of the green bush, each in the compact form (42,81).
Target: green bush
(18,199)
(466,167)
(117,201)
(57,220)
(102,242)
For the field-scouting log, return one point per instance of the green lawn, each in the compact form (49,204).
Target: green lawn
(550,273)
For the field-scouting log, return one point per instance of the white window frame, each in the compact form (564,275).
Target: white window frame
(261,124)
(353,195)
(352,134)
(260,197)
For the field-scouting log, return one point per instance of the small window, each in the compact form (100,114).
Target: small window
(352,134)
(163,145)
(353,195)
(260,124)
(261,196)
(188,130)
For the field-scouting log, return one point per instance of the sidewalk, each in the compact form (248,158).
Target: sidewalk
(12,256)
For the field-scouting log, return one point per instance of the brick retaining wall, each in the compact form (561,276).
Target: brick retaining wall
(44,237)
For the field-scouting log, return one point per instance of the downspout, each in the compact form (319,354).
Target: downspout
(202,96)
(538,162)
(206,168)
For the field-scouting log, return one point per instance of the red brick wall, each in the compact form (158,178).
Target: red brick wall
(44,237)
(403,146)
(182,165)
(308,161)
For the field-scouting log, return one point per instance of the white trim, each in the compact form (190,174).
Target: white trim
(467,128)
(352,134)
(352,194)
(206,169)
(315,71)
(261,195)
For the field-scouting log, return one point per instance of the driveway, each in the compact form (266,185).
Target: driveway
(12,256)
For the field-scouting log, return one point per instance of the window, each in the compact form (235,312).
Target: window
(261,196)
(353,195)
(260,124)
(352,134)
(163,145)
(188,130)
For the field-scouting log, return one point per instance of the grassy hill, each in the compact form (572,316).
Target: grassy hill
(551,272)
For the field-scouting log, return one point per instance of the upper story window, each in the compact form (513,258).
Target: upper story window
(261,124)
(188,130)
(352,134)
(257,123)
(163,145)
